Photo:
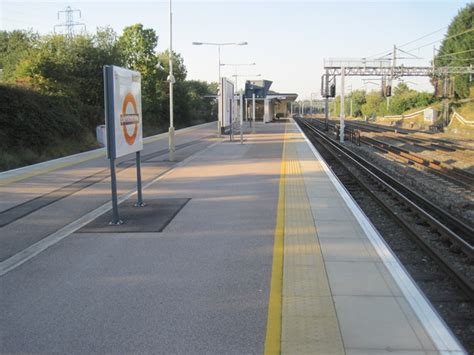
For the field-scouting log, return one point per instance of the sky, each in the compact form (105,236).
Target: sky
(288,40)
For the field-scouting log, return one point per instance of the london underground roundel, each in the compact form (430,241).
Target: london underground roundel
(129,119)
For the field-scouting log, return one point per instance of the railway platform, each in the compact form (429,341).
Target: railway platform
(248,248)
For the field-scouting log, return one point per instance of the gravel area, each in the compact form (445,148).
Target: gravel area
(458,201)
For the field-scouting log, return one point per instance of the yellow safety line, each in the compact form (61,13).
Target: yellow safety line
(273,336)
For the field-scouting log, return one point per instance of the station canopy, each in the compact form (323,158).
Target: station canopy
(261,89)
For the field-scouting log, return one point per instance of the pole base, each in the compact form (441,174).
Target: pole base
(139,204)
(219,128)
(117,223)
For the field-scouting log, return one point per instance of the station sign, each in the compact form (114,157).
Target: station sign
(124,123)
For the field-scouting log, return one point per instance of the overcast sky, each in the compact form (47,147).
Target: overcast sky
(287,39)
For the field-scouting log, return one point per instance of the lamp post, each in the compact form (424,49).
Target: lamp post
(219,45)
(171,80)
(245,75)
(236,66)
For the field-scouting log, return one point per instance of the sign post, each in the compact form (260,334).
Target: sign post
(123,112)
(241,118)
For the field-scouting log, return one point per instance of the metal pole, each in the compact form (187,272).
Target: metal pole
(231,120)
(236,79)
(140,202)
(326,112)
(247,109)
(326,102)
(171,145)
(341,135)
(221,98)
(253,108)
(113,180)
(241,118)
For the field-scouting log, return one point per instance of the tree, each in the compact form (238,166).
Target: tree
(137,47)
(405,99)
(373,105)
(457,48)
(14,46)
(358,99)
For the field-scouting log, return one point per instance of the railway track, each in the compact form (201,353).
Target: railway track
(411,207)
(440,260)
(451,174)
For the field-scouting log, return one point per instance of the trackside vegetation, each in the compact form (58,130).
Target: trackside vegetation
(51,90)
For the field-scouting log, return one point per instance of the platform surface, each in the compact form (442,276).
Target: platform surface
(267,255)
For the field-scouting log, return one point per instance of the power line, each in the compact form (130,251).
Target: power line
(427,35)
(446,38)
(428,44)
(410,42)
(449,54)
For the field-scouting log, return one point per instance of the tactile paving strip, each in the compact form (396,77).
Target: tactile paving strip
(309,321)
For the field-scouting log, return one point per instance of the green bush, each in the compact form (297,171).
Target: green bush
(36,127)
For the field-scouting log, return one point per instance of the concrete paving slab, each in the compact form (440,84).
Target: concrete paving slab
(334,229)
(356,279)
(345,249)
(153,217)
(415,324)
(374,323)
(324,202)
(339,214)
(394,288)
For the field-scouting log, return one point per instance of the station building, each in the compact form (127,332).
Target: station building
(269,105)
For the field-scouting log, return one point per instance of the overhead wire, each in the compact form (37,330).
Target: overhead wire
(449,37)
(410,42)
(427,35)
(425,45)
(455,53)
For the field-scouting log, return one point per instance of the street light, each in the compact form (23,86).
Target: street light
(219,45)
(171,80)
